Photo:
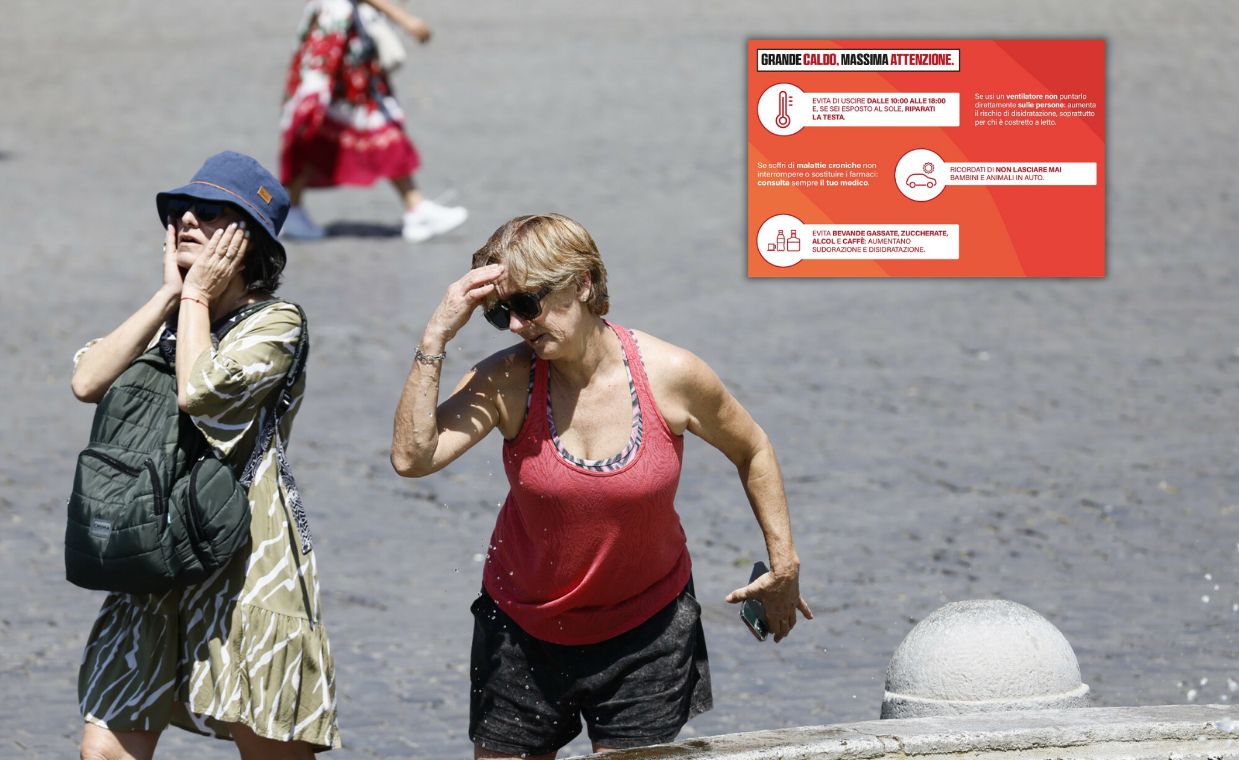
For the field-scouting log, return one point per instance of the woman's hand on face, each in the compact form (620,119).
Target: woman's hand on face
(219,263)
(461,298)
(172,279)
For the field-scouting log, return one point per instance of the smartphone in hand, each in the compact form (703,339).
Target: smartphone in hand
(753,612)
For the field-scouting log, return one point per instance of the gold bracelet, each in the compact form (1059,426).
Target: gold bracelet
(424,358)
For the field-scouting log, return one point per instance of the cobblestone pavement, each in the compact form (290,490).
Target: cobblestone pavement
(1066,444)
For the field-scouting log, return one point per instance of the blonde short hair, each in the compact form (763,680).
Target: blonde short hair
(547,250)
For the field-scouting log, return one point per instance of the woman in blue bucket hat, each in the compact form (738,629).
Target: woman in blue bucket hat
(242,655)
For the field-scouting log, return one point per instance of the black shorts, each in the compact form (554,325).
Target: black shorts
(636,689)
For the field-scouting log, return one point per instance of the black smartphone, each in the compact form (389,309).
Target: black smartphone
(753,612)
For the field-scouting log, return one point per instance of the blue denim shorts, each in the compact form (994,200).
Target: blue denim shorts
(636,689)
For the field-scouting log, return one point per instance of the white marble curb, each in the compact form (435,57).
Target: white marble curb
(1167,732)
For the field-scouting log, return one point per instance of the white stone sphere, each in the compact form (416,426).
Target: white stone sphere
(982,656)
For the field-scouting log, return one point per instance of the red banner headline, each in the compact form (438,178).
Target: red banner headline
(839,59)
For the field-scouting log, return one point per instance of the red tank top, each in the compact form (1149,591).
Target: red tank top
(579,556)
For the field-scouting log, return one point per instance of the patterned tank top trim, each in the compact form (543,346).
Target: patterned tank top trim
(634,439)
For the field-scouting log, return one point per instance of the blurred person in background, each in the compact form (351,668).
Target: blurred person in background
(341,124)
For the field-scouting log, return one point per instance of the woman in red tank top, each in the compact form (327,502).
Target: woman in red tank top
(588,583)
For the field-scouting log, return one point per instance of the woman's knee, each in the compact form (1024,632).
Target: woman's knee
(101,744)
(95,749)
(255,747)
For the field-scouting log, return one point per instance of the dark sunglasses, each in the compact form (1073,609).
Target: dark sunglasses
(204,211)
(527,306)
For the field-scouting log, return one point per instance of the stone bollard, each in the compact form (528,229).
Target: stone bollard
(982,656)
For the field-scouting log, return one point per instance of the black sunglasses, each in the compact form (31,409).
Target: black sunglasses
(527,306)
(204,211)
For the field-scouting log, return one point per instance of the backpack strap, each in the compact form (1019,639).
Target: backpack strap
(165,346)
(271,431)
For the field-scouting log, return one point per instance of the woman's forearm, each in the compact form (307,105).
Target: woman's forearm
(763,484)
(415,433)
(193,336)
(99,366)
(393,11)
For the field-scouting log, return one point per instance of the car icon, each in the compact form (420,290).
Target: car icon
(920,180)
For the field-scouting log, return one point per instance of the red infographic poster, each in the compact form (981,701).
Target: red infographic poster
(926,158)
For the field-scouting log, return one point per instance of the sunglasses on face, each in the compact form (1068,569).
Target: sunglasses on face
(527,306)
(204,211)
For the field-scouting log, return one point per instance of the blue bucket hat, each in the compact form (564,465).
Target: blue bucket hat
(240,181)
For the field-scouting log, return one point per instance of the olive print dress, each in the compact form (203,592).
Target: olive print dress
(247,645)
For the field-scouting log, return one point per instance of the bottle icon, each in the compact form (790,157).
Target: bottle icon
(793,242)
(780,242)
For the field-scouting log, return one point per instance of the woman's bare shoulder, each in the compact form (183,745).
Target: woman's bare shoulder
(666,361)
(679,379)
(504,378)
(504,371)
(514,356)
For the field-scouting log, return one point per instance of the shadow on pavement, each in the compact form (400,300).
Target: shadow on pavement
(362,229)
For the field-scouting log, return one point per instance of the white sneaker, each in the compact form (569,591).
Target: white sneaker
(428,219)
(297,226)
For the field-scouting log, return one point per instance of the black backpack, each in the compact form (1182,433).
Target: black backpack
(152,506)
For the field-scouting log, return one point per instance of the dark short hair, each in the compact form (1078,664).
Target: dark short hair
(264,263)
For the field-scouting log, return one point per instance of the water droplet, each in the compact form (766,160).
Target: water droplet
(1208,576)
(1204,681)
(1204,598)
(1191,695)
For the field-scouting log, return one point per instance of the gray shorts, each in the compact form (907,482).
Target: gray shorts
(636,689)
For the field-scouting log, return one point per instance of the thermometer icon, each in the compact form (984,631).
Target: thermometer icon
(782,121)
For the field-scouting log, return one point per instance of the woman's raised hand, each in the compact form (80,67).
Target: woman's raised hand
(461,298)
(414,27)
(172,279)
(222,259)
